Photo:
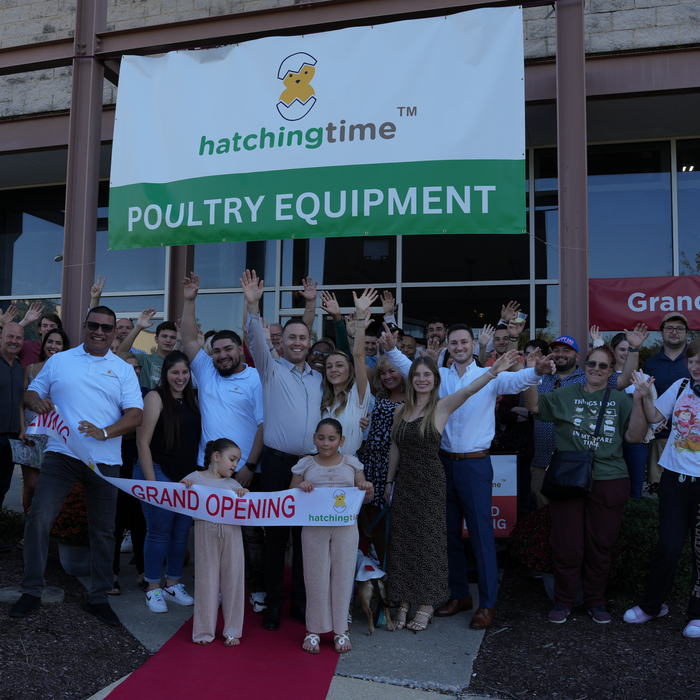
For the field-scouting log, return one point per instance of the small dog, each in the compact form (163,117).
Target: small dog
(370,581)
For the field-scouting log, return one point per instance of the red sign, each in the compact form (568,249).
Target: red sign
(615,304)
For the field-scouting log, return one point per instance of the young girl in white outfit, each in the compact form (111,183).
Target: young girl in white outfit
(218,558)
(329,552)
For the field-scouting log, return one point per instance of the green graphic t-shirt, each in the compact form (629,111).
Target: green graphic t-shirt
(574,413)
(150,369)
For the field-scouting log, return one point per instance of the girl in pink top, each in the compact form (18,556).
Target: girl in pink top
(330,551)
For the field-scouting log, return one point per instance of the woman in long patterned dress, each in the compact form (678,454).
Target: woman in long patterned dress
(417,565)
(389,389)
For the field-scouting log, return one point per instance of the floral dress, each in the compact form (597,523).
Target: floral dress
(376,453)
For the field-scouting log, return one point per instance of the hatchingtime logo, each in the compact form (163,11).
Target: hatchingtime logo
(298,98)
(339,505)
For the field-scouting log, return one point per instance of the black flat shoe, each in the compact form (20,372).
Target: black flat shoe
(298,612)
(102,612)
(25,606)
(271,619)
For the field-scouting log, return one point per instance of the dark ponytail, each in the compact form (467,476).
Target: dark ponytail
(217,446)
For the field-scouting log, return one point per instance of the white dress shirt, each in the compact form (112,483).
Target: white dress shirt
(472,426)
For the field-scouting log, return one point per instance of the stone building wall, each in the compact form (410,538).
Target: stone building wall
(611,26)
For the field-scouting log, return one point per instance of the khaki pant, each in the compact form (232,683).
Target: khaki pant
(536,481)
(654,469)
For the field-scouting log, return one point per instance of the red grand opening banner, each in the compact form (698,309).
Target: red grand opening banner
(615,304)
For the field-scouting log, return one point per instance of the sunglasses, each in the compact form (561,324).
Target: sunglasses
(320,354)
(106,327)
(591,364)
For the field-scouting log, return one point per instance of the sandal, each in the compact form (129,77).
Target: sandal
(231,641)
(340,640)
(398,623)
(315,641)
(416,625)
(202,643)
(116,590)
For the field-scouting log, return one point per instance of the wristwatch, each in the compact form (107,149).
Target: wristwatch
(251,465)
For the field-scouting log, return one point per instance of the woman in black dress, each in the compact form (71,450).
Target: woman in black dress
(417,563)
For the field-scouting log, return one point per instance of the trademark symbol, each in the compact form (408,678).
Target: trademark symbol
(410,111)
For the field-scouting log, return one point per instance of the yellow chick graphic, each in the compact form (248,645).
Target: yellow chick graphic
(340,501)
(296,72)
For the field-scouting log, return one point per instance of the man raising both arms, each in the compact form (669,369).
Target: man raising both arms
(292,408)
(230,401)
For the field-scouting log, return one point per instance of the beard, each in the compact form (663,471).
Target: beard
(228,371)
(565,364)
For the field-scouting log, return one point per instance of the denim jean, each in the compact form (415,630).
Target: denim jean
(59,473)
(166,536)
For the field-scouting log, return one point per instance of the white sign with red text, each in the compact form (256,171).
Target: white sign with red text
(323,506)
(504,495)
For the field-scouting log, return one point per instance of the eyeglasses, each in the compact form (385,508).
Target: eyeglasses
(320,354)
(592,365)
(675,329)
(106,327)
(277,336)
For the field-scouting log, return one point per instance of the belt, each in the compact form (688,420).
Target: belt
(279,453)
(464,455)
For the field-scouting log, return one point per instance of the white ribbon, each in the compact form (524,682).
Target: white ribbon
(323,506)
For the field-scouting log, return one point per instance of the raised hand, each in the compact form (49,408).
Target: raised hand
(9,315)
(544,365)
(515,328)
(34,312)
(637,337)
(200,337)
(252,287)
(330,304)
(351,324)
(486,334)
(388,339)
(434,349)
(97,288)
(641,385)
(509,311)
(365,301)
(191,285)
(145,319)
(388,303)
(310,289)
(596,334)
(535,355)
(505,361)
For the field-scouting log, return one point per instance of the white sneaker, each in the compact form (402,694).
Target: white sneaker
(257,600)
(155,602)
(692,630)
(178,594)
(127,545)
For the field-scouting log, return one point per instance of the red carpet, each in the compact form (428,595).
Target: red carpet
(266,666)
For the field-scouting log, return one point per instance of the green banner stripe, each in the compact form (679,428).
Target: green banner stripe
(477,196)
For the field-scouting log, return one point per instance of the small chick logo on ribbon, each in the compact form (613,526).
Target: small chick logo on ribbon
(296,72)
(339,506)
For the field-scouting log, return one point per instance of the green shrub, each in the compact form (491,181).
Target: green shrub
(631,558)
(638,536)
(11,525)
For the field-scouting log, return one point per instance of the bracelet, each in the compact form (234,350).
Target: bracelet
(104,430)
(510,337)
(633,349)
(491,374)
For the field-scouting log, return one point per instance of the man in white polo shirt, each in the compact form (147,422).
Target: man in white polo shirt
(230,400)
(99,397)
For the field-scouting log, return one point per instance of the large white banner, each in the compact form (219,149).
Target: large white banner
(323,506)
(406,127)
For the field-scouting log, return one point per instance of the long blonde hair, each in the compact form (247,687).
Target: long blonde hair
(405,411)
(339,400)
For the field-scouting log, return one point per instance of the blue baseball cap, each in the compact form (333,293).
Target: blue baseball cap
(566,340)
